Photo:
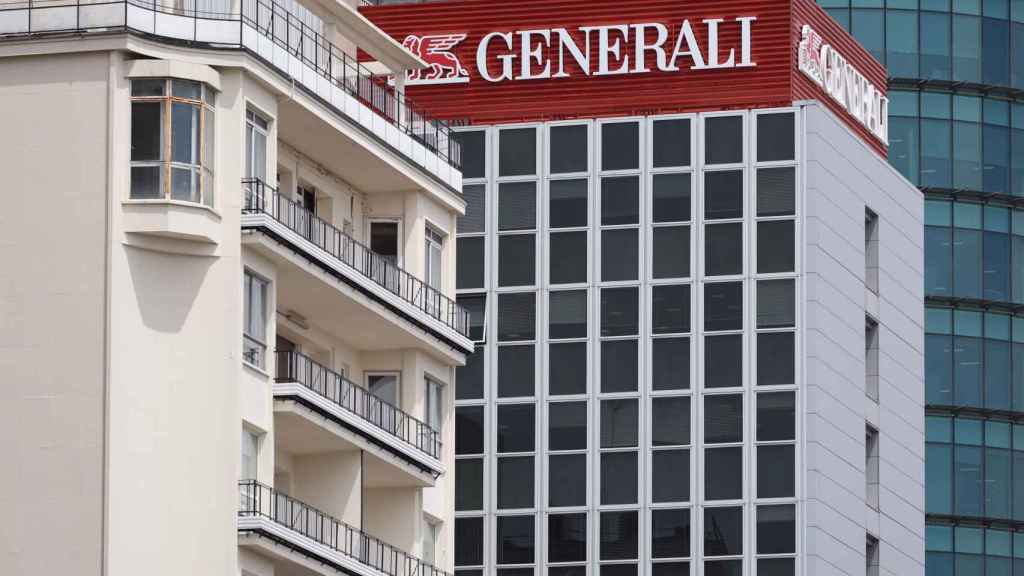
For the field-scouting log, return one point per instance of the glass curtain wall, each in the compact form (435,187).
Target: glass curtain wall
(956,70)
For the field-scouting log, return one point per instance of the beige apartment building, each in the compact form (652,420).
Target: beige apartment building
(229,334)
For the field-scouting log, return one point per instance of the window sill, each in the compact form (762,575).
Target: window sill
(172,220)
(259,371)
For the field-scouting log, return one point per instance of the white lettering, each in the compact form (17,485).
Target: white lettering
(643,46)
(713,61)
(582,57)
(745,24)
(506,59)
(607,47)
(692,48)
(532,53)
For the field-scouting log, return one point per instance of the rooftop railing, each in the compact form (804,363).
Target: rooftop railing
(261,501)
(263,199)
(295,367)
(211,23)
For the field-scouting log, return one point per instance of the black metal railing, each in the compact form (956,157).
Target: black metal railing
(261,198)
(269,19)
(295,367)
(261,501)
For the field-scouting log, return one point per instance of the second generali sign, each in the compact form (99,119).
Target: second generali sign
(543,60)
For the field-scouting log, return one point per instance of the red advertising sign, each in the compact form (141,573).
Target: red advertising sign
(535,60)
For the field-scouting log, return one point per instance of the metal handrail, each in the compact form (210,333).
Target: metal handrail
(261,198)
(296,367)
(258,500)
(275,22)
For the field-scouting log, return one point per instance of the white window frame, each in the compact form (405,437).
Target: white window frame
(255,345)
(257,128)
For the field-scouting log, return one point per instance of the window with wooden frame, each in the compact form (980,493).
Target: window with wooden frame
(172,155)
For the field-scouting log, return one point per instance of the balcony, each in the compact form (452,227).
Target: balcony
(277,39)
(354,264)
(355,418)
(294,533)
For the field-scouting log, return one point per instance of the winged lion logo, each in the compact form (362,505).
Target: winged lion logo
(443,65)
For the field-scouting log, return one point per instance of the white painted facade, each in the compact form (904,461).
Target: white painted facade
(128,385)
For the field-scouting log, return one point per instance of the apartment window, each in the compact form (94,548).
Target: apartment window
(254,332)
(431,531)
(256,128)
(250,455)
(434,404)
(871,466)
(173,127)
(433,251)
(384,239)
(871,250)
(871,358)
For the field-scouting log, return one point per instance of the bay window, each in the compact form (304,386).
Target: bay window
(172,138)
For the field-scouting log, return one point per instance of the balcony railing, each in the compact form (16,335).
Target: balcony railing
(263,199)
(295,367)
(259,501)
(259,24)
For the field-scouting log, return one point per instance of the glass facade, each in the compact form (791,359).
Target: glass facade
(601,259)
(957,131)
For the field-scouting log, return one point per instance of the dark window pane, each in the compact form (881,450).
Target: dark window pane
(619,536)
(620,200)
(518,152)
(671,143)
(517,260)
(670,569)
(567,423)
(670,364)
(775,471)
(476,210)
(670,533)
(469,484)
(670,309)
(671,197)
(568,203)
(620,146)
(723,419)
(619,366)
(723,195)
(147,127)
(776,359)
(723,306)
(567,478)
(515,371)
(671,247)
(470,378)
(569,149)
(568,257)
(567,538)
(723,361)
(723,140)
(619,316)
(515,539)
(469,263)
(469,540)
(474,150)
(775,137)
(723,249)
(469,430)
(515,428)
(618,570)
(476,305)
(723,567)
(568,314)
(723,473)
(618,423)
(776,248)
(516,316)
(147,182)
(670,421)
(776,303)
(776,529)
(723,531)
(517,206)
(515,482)
(776,416)
(619,478)
(619,255)
(670,476)
(778,567)
(567,366)
(148,86)
(184,133)
(776,191)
